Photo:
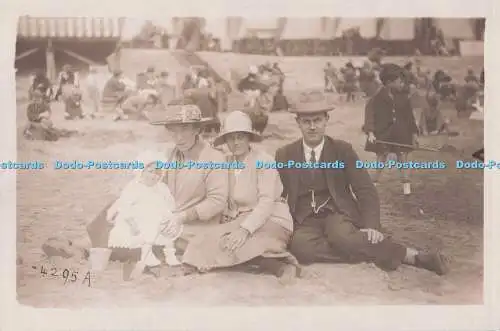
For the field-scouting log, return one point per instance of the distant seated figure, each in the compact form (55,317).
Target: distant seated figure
(471,82)
(471,76)
(206,102)
(39,126)
(151,78)
(39,81)
(114,93)
(469,93)
(251,82)
(432,120)
(166,90)
(443,85)
(192,80)
(259,110)
(142,81)
(252,87)
(74,105)
(135,106)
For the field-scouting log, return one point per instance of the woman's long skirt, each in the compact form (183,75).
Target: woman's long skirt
(205,251)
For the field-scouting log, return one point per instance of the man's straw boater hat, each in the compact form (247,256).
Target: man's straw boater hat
(312,102)
(237,121)
(180,114)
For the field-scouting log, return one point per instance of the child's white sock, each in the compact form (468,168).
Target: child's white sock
(170,257)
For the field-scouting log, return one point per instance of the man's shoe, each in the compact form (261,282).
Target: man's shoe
(433,262)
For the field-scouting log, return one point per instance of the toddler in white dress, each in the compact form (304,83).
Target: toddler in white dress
(144,204)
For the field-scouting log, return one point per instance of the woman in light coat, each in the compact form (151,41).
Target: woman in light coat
(257,225)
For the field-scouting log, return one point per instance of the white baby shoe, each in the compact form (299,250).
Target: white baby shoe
(171,259)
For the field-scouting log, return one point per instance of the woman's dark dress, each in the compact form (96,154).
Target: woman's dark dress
(390,119)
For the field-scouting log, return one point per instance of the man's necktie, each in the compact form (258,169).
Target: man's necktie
(313,160)
(313,156)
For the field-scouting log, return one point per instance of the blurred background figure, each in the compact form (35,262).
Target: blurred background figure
(93,87)
(40,82)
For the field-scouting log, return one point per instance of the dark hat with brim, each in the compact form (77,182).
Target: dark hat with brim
(179,114)
(389,72)
(312,102)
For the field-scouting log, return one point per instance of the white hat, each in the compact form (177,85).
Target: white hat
(236,121)
(253,70)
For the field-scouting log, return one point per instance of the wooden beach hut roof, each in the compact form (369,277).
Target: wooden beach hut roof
(69,28)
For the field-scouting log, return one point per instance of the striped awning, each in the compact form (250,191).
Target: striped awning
(72,27)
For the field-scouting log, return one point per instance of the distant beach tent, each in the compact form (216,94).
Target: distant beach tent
(230,29)
(397,29)
(460,28)
(302,28)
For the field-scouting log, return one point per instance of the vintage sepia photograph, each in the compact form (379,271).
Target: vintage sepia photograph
(240,161)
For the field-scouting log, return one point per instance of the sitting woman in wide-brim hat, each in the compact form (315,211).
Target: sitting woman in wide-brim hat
(200,192)
(257,225)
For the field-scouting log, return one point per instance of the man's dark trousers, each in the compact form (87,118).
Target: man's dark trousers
(332,237)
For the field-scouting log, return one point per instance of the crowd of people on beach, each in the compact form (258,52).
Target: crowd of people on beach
(101,94)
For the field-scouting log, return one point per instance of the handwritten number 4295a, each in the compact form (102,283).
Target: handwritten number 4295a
(66,274)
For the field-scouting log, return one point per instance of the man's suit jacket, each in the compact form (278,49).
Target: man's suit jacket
(352,189)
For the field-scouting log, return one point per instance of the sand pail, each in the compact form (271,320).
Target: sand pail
(99,258)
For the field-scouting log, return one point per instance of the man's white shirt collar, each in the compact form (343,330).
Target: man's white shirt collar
(317,150)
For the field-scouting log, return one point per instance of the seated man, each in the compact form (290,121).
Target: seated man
(135,106)
(337,211)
